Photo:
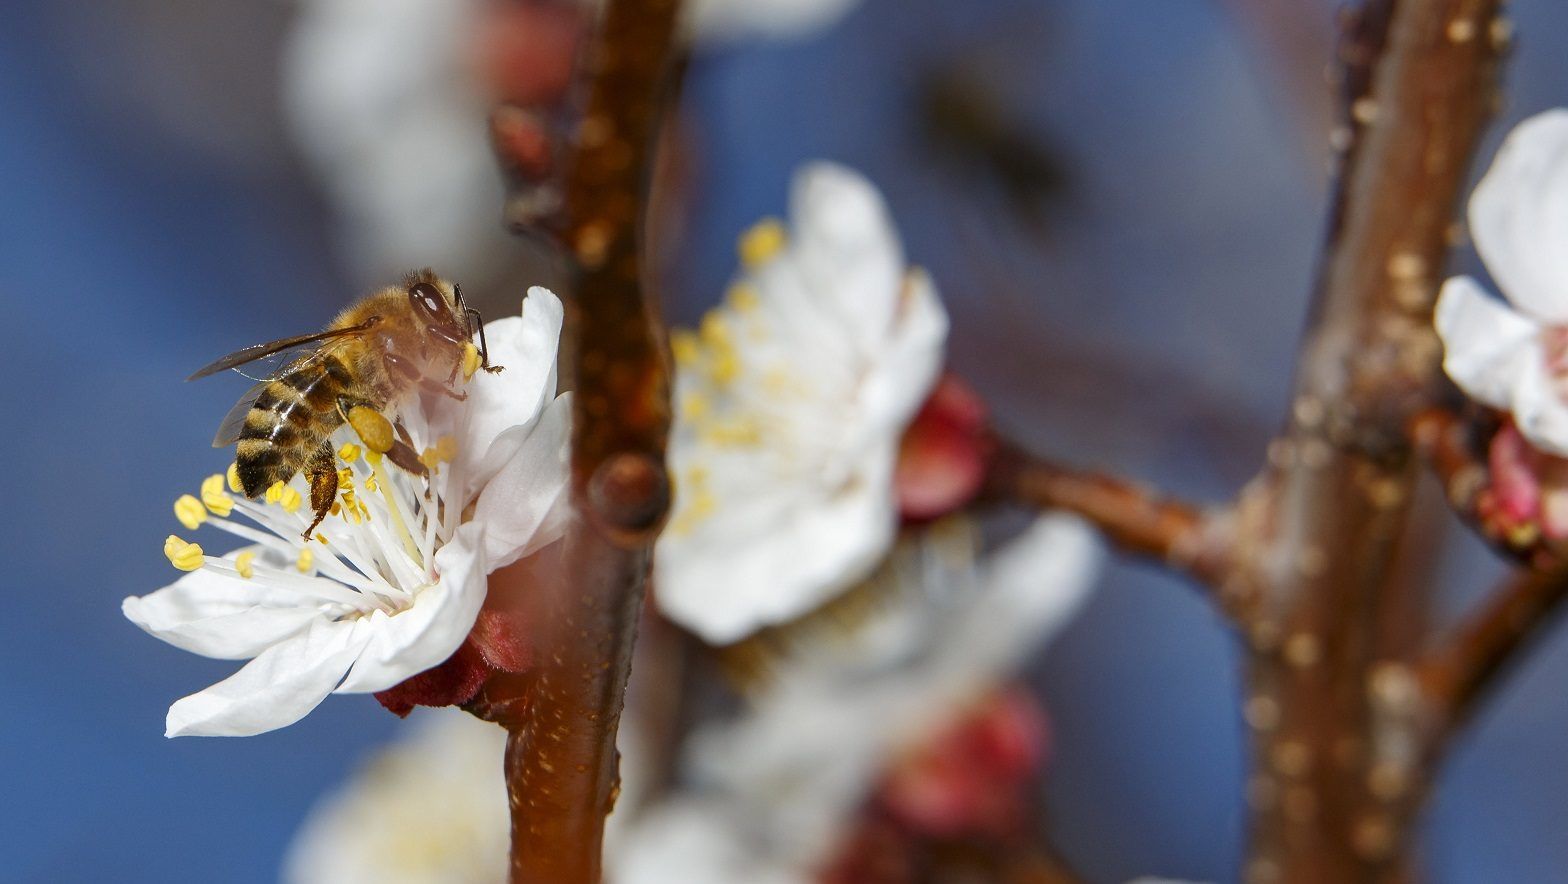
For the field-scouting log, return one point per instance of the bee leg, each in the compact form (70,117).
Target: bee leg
(477,324)
(406,458)
(430,386)
(322,472)
(411,373)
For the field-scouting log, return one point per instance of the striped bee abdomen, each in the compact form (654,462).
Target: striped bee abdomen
(287,421)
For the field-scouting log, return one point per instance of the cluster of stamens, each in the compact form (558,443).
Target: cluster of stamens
(282,511)
(712,357)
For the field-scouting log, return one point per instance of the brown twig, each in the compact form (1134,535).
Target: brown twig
(562,718)
(1459,672)
(1445,440)
(1333,790)
(1133,518)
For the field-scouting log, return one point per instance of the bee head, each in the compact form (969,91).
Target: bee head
(435,308)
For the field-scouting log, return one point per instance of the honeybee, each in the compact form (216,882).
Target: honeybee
(402,340)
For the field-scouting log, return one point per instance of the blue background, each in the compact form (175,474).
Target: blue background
(152,215)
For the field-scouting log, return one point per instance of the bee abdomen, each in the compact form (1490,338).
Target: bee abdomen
(288,420)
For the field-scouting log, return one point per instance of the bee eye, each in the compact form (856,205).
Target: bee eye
(428,302)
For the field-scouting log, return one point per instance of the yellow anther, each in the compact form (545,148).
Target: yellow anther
(321,538)
(697,478)
(349,452)
(695,406)
(725,368)
(182,555)
(471,360)
(373,428)
(743,297)
(336,508)
(738,432)
(234,478)
(430,459)
(346,481)
(291,499)
(215,498)
(245,564)
(306,560)
(370,483)
(373,458)
(716,332)
(190,512)
(762,242)
(684,346)
(275,491)
(446,448)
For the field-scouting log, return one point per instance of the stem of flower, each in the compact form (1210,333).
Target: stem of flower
(562,718)
(1133,518)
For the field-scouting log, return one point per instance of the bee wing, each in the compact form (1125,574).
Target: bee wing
(234,421)
(285,354)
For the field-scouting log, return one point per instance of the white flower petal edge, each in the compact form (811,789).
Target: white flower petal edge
(1515,356)
(788,773)
(1487,348)
(1519,217)
(392,583)
(726,20)
(791,403)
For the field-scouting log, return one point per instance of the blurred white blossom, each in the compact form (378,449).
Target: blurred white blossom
(429,809)
(1514,356)
(791,401)
(390,100)
(770,790)
(389,585)
(775,788)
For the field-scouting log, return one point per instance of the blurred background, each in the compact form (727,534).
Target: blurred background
(1119,201)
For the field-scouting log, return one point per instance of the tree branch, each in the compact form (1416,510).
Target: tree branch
(1135,519)
(1459,672)
(562,717)
(1419,84)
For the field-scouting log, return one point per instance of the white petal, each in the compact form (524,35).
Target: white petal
(525,346)
(1487,347)
(905,372)
(407,643)
(1034,584)
(1539,410)
(274,690)
(525,504)
(220,616)
(847,251)
(734,575)
(1519,216)
(726,20)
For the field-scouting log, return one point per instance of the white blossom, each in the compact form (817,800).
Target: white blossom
(773,790)
(790,404)
(390,584)
(1514,356)
(387,105)
(429,809)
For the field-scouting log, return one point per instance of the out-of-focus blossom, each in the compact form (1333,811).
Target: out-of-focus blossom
(942,459)
(1526,498)
(392,583)
(388,108)
(430,809)
(1514,356)
(974,778)
(775,788)
(390,101)
(791,401)
(720,20)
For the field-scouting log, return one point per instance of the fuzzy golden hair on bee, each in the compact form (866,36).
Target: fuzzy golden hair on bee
(414,338)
